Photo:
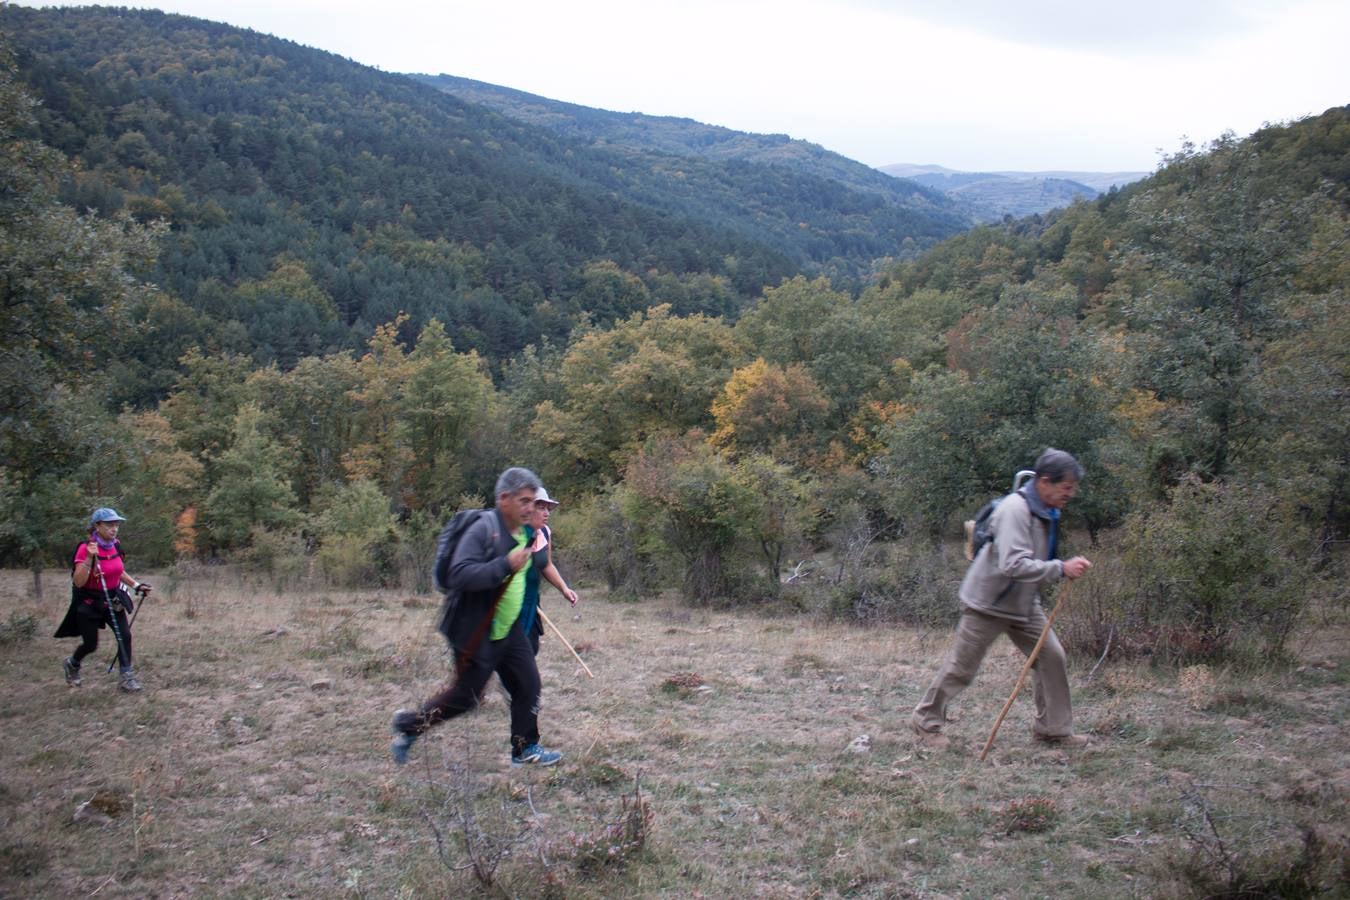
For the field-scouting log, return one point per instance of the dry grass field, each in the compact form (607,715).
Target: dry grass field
(713,755)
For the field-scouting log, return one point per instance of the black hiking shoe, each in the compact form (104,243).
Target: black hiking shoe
(403,739)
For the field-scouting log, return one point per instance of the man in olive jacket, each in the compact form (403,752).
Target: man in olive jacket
(488,571)
(1001,595)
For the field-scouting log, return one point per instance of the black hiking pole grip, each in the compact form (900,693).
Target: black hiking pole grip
(140,593)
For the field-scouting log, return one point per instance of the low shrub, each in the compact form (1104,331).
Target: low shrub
(1029,814)
(278,556)
(911,581)
(1214,575)
(1239,854)
(359,560)
(600,543)
(20,627)
(614,843)
(682,684)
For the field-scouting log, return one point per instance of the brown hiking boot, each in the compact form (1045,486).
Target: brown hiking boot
(930,740)
(1063,741)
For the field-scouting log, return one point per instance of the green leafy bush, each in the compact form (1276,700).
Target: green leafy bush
(278,556)
(1216,574)
(598,539)
(359,543)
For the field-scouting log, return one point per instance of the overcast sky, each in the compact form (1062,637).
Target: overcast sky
(968,84)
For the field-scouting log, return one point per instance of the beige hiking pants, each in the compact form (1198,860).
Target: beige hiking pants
(974,634)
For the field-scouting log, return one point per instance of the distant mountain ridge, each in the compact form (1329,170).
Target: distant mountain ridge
(311,198)
(684,137)
(992,195)
(980,196)
(1098,181)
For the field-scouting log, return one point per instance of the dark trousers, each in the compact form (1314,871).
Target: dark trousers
(512,659)
(89,626)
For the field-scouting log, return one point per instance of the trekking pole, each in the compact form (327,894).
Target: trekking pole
(549,623)
(112,616)
(140,601)
(1031,658)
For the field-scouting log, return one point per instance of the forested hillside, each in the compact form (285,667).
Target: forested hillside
(638,133)
(311,199)
(1185,337)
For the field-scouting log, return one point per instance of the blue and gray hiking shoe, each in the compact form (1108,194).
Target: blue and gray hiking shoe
(403,740)
(533,753)
(130,683)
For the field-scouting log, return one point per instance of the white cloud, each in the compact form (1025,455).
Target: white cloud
(1141,26)
(982,84)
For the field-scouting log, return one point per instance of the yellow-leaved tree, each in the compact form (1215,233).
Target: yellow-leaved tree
(770,409)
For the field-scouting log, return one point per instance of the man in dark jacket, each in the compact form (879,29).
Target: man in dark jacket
(488,572)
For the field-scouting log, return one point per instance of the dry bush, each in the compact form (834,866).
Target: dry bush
(1127,687)
(1238,853)
(614,843)
(491,828)
(864,579)
(1094,623)
(913,583)
(682,683)
(18,628)
(459,809)
(24,859)
(798,663)
(1116,719)
(1197,684)
(185,584)
(1029,814)
(1127,682)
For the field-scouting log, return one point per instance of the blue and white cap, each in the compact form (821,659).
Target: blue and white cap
(104,514)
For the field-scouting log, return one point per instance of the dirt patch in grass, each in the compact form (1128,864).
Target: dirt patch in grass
(772,761)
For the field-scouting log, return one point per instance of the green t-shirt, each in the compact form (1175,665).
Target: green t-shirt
(509,607)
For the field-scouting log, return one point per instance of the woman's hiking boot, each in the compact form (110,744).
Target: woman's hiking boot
(72,670)
(129,682)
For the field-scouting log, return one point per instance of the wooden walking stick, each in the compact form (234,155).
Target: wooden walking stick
(549,623)
(1059,603)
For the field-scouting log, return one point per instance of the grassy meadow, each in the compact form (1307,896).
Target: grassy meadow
(714,754)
